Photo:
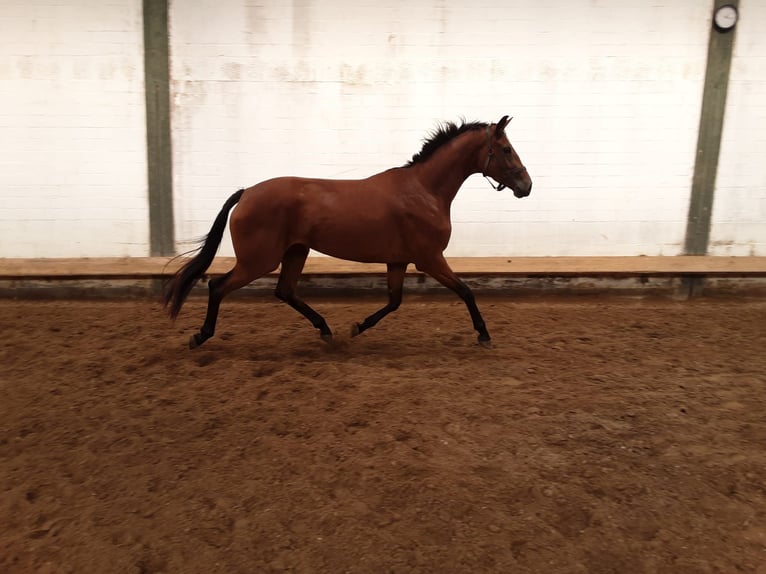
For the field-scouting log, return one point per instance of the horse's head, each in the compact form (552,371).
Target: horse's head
(503,163)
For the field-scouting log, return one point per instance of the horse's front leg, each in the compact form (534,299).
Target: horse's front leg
(439,269)
(395,276)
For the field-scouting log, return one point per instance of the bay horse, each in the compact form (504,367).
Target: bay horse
(397,217)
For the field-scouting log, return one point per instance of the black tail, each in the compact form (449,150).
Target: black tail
(182,282)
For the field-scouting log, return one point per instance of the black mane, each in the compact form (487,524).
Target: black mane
(440,136)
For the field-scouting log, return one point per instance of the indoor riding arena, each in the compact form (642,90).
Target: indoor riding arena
(371,359)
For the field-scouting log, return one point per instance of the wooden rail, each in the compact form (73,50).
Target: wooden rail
(159,267)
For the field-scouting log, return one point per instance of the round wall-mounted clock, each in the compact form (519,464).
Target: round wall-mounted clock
(725,18)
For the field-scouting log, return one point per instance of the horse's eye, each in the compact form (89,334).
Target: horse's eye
(506,150)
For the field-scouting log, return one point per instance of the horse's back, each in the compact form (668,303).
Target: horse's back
(329,198)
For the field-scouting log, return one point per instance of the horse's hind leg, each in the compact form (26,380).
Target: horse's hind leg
(219,287)
(395,278)
(292,264)
(440,270)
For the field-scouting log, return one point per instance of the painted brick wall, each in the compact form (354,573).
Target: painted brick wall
(606,98)
(72,151)
(739,208)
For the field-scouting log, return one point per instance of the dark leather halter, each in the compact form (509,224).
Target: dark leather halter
(490,155)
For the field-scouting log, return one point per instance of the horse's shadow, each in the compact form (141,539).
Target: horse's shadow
(369,350)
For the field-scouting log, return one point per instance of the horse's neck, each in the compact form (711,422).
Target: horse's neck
(444,172)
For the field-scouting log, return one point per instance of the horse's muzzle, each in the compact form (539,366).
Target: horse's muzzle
(521,182)
(522,192)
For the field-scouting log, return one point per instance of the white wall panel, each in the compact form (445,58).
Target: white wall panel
(72,152)
(739,208)
(606,98)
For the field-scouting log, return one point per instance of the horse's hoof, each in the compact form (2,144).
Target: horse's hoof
(486,343)
(355,330)
(326,337)
(194,342)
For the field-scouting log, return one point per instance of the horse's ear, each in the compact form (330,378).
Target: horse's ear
(500,129)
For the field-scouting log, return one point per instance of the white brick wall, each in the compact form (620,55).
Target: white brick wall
(72,151)
(739,210)
(606,98)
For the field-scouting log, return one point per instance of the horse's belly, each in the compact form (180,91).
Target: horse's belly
(366,248)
